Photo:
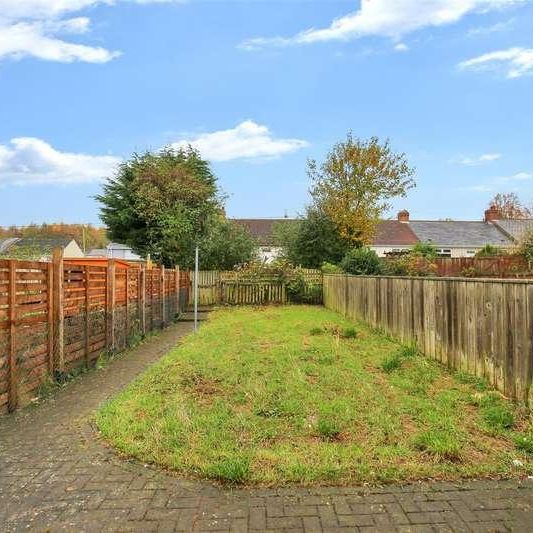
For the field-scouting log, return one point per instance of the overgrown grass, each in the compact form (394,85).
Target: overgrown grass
(283,395)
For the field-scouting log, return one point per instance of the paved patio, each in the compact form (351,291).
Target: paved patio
(56,475)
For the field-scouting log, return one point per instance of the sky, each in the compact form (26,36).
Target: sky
(259,87)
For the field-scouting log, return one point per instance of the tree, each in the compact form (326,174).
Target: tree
(356,181)
(509,206)
(312,240)
(160,204)
(226,245)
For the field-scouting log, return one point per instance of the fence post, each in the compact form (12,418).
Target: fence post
(110,306)
(87,313)
(59,324)
(12,393)
(141,299)
(162,293)
(177,274)
(127,307)
(50,301)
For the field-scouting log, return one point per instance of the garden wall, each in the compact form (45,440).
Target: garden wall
(55,317)
(484,327)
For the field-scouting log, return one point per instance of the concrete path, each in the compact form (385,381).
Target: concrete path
(56,475)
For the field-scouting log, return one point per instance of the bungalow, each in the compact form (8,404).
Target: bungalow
(452,238)
(39,247)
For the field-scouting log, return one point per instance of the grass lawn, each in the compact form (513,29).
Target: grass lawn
(301,395)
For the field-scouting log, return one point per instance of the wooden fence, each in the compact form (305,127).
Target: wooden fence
(233,288)
(505,266)
(57,316)
(484,327)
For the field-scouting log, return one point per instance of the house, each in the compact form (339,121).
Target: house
(39,247)
(515,229)
(452,238)
(115,250)
(262,230)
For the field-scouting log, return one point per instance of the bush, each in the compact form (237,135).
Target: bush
(489,251)
(424,249)
(411,265)
(362,262)
(330,268)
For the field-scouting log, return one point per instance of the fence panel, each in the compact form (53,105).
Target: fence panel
(484,327)
(55,317)
(235,288)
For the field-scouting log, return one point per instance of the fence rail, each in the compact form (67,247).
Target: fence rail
(235,288)
(505,266)
(484,327)
(60,315)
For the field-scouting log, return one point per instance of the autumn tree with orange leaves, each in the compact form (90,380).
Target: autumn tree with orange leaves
(354,184)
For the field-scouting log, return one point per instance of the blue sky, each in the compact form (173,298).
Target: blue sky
(259,87)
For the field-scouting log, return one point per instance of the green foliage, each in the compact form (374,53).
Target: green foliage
(234,470)
(362,262)
(161,203)
(489,251)
(311,241)
(410,264)
(424,249)
(349,333)
(443,444)
(225,245)
(526,247)
(498,416)
(330,268)
(391,363)
(524,442)
(328,426)
(316,331)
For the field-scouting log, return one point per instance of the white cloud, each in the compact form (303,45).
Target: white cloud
(38,39)
(517,62)
(494,28)
(27,160)
(519,176)
(386,18)
(247,140)
(34,28)
(480,160)
(401,47)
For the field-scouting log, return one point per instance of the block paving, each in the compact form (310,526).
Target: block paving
(57,475)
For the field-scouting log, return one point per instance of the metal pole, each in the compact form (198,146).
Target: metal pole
(196,289)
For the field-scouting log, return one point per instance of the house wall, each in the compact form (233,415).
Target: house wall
(268,254)
(72,250)
(382,251)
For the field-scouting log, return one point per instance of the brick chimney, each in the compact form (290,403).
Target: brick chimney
(492,213)
(403,216)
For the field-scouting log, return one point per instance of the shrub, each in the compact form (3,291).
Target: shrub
(526,247)
(489,251)
(424,249)
(362,262)
(316,331)
(330,268)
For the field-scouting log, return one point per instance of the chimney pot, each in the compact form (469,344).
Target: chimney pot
(403,216)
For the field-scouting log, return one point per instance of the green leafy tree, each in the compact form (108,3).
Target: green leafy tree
(160,204)
(312,241)
(226,245)
(424,249)
(354,184)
